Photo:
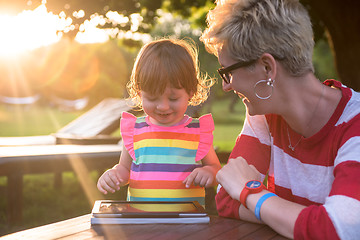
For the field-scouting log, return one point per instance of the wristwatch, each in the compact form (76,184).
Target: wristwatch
(252,186)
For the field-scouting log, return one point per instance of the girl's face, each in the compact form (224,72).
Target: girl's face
(167,109)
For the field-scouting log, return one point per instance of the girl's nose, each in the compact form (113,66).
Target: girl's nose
(162,105)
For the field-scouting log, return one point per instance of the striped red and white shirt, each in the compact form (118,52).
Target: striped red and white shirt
(323,171)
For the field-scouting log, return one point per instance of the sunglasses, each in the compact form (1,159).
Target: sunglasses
(225,72)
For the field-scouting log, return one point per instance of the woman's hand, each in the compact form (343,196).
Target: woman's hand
(234,175)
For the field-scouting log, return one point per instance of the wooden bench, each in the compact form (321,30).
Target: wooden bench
(94,126)
(20,160)
(47,154)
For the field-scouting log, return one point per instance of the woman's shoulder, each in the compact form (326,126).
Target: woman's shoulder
(348,107)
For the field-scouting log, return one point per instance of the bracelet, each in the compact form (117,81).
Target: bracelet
(260,202)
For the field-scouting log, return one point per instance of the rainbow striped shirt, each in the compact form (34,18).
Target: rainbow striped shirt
(164,156)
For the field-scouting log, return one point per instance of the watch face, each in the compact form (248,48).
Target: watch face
(253,184)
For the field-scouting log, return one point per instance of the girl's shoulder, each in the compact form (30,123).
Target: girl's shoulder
(205,122)
(206,128)
(130,119)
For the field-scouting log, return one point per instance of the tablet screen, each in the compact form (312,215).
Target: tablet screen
(110,208)
(122,207)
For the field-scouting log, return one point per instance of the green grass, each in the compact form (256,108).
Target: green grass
(227,125)
(34,120)
(42,203)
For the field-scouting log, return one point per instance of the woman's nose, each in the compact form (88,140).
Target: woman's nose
(226,86)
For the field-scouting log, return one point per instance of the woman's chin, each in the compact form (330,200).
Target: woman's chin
(249,107)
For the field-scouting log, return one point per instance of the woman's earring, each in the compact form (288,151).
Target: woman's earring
(263,89)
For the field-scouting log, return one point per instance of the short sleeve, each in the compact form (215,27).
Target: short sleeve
(127,124)
(206,136)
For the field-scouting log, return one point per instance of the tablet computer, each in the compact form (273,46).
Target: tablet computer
(151,209)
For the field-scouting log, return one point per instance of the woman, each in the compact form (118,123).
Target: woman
(300,133)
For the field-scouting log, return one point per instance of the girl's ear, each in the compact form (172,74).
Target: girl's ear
(269,63)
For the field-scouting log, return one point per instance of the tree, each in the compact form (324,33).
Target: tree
(341,22)
(338,21)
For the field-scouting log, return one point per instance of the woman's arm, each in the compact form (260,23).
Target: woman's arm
(278,213)
(275,212)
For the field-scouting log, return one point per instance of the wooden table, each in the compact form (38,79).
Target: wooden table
(16,161)
(80,228)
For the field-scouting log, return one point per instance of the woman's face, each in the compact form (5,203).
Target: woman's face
(242,82)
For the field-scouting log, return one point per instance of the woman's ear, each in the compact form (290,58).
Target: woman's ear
(269,63)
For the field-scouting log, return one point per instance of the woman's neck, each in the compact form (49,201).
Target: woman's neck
(309,104)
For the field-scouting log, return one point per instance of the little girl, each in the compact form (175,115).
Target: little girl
(167,155)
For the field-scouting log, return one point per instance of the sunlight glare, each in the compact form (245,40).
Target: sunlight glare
(32,29)
(28,30)
(92,33)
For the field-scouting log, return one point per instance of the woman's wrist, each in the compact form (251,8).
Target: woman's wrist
(260,202)
(253,199)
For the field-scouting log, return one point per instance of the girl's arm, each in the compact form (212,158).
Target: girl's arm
(212,163)
(205,176)
(118,176)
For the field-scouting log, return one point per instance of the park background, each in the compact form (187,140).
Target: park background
(59,58)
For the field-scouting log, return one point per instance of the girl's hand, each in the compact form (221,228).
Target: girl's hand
(234,175)
(113,179)
(203,177)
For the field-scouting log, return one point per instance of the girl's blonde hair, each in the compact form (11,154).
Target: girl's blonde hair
(168,62)
(249,28)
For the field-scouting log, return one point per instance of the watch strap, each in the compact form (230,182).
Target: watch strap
(246,191)
(243,195)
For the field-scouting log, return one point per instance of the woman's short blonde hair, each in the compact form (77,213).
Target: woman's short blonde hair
(249,28)
(168,62)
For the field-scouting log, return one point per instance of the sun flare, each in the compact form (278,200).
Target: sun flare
(29,30)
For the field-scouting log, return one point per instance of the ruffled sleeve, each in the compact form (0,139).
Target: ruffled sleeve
(206,136)
(127,124)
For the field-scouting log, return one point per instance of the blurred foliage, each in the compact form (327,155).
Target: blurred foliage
(195,11)
(176,26)
(68,70)
(148,10)
(317,24)
(323,61)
